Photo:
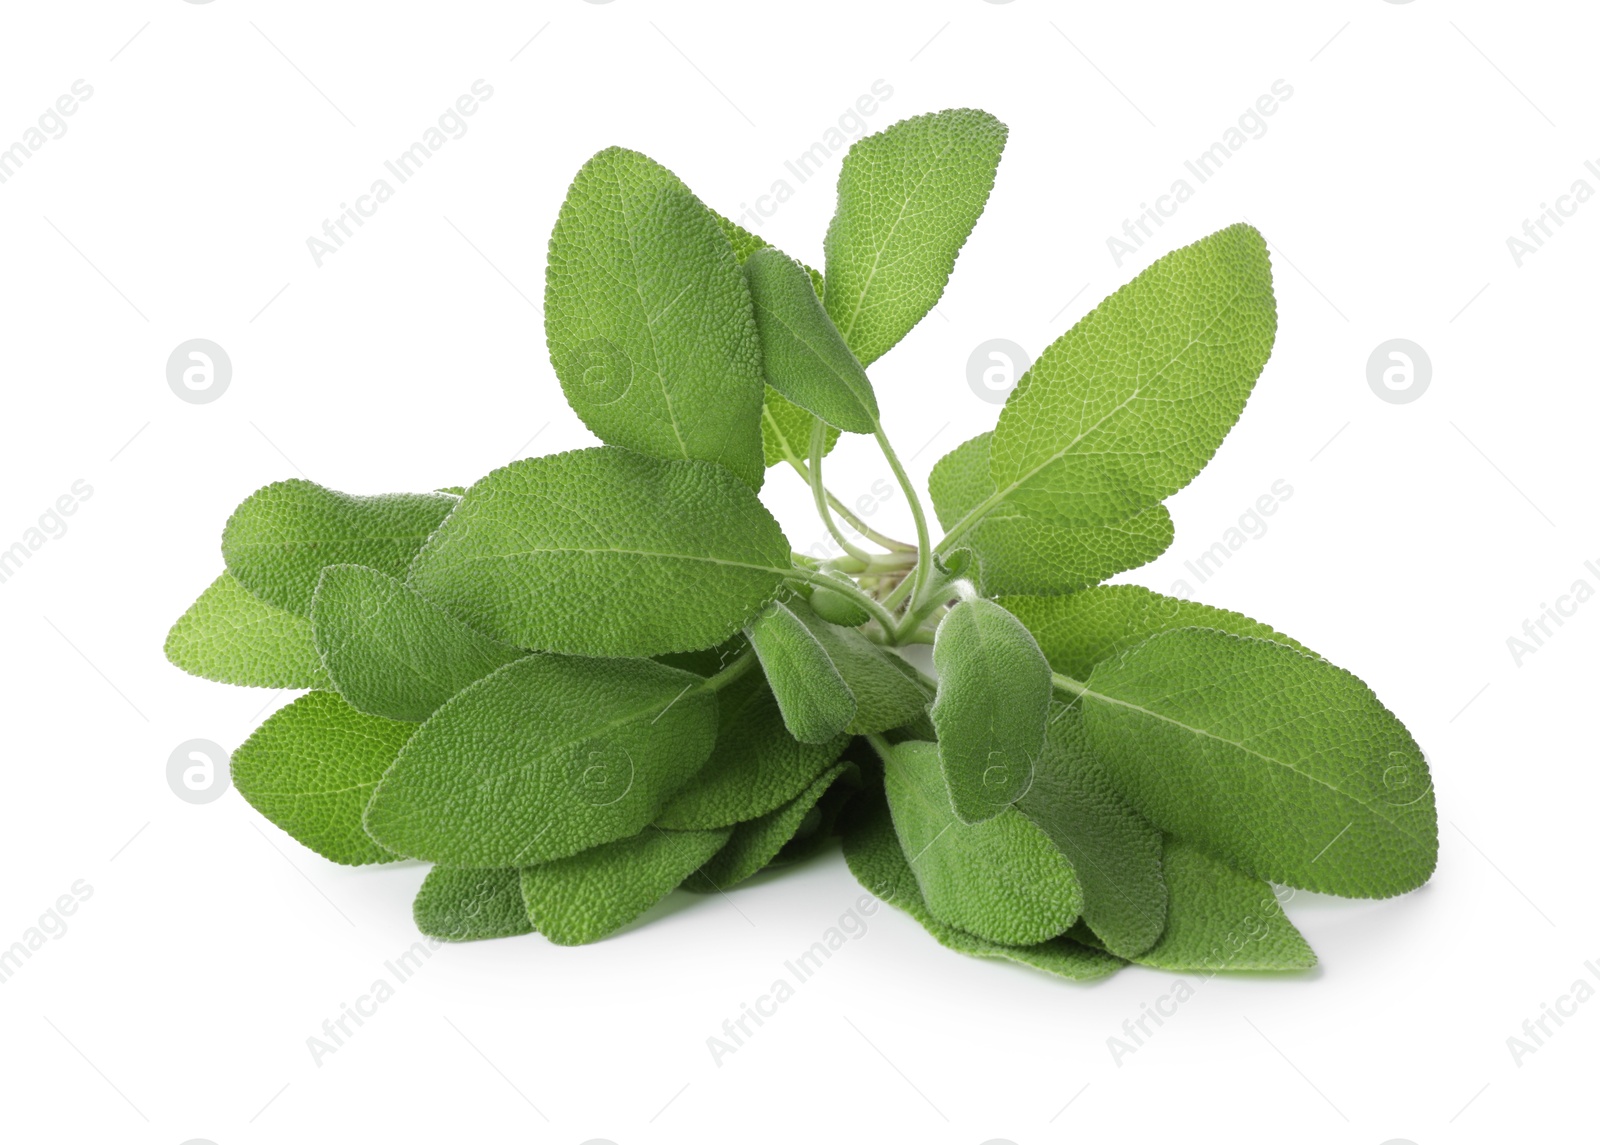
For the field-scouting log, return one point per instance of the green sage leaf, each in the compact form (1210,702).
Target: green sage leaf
(991,707)
(908,198)
(648,318)
(605,552)
(543,758)
(1274,760)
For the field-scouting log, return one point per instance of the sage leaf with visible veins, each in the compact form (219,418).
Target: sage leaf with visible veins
(281,537)
(815,701)
(310,769)
(873,853)
(908,198)
(587,896)
(234,637)
(543,758)
(390,651)
(802,354)
(648,319)
(606,552)
(1115,852)
(1019,551)
(1272,759)
(1002,879)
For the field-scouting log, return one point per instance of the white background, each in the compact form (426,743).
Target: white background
(1419,537)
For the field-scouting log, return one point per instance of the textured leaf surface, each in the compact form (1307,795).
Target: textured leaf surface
(815,701)
(1114,851)
(755,844)
(282,536)
(233,636)
(587,896)
(786,431)
(908,198)
(605,552)
(648,319)
(1002,879)
(390,651)
(991,707)
(1019,551)
(543,758)
(1077,632)
(874,856)
(785,427)
(1127,406)
(1219,919)
(1285,766)
(755,767)
(460,904)
(886,697)
(311,767)
(803,356)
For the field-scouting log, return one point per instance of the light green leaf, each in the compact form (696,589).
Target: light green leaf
(908,198)
(1274,760)
(873,854)
(310,769)
(1002,879)
(282,536)
(1127,406)
(460,904)
(815,701)
(648,318)
(233,636)
(605,552)
(755,767)
(785,427)
(595,893)
(1114,851)
(886,697)
(802,354)
(1018,551)
(1219,919)
(390,651)
(786,431)
(755,844)
(1077,632)
(543,758)
(991,707)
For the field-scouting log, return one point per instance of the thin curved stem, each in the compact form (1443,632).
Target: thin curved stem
(919,575)
(819,439)
(799,466)
(741,664)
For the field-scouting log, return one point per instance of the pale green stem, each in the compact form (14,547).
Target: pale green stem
(819,438)
(912,585)
(1073,688)
(741,664)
